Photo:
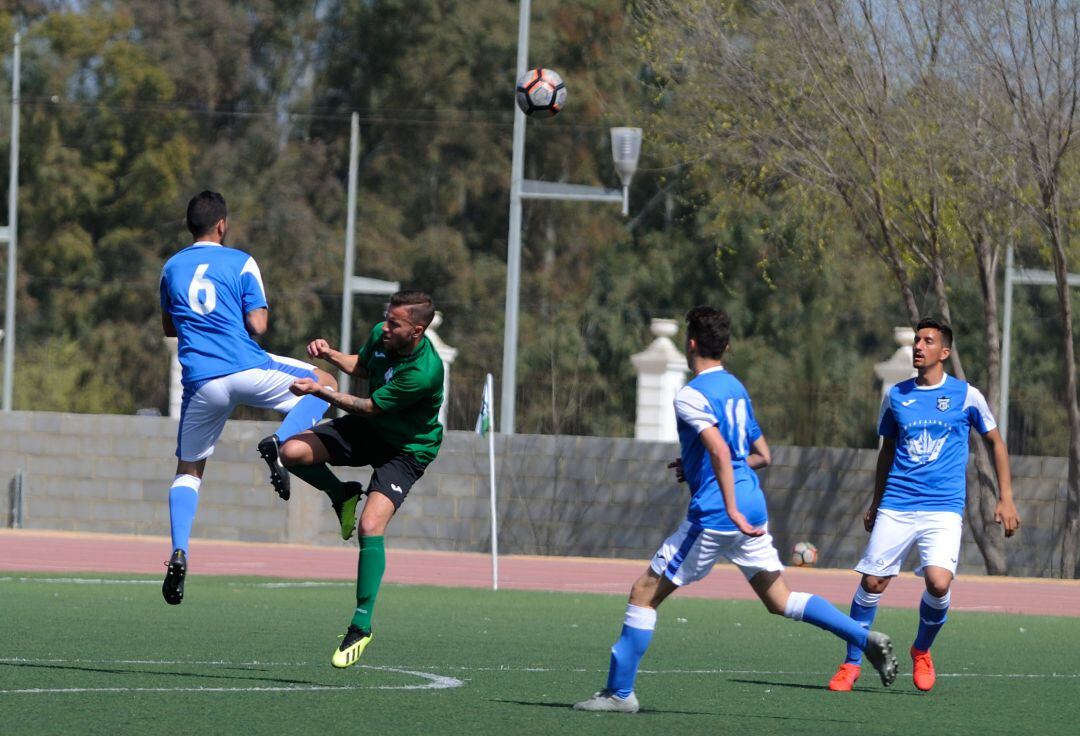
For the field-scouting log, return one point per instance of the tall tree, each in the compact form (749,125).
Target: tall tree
(1032,51)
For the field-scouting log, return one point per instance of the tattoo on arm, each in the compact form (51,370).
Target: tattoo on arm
(347,402)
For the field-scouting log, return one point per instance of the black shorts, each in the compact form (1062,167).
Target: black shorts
(353,441)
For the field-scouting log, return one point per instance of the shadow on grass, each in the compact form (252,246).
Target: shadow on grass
(643,711)
(144,672)
(676,712)
(798,686)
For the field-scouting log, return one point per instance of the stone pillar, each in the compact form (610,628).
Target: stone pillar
(176,390)
(897,368)
(448,355)
(661,370)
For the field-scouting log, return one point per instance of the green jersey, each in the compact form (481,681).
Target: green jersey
(409,391)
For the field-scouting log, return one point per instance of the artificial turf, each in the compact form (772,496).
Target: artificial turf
(88,655)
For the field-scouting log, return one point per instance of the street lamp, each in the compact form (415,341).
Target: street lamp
(355,284)
(625,149)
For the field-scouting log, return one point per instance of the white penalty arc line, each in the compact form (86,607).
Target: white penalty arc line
(432,681)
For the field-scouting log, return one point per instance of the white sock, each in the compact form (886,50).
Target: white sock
(865,598)
(640,617)
(934,602)
(796,605)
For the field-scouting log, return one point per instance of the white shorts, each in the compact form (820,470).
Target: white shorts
(936,532)
(689,553)
(204,410)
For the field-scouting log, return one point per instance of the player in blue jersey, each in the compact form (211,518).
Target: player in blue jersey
(213,301)
(919,493)
(721,446)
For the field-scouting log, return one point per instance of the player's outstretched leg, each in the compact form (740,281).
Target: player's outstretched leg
(270,451)
(879,652)
(172,590)
(814,609)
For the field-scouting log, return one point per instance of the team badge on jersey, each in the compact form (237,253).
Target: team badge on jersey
(943,403)
(924,448)
(389,374)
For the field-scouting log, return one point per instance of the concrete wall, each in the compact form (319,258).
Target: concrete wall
(557,495)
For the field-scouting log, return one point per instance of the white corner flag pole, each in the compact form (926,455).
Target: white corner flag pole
(489,389)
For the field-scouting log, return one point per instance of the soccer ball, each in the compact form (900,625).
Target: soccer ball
(803,554)
(541,92)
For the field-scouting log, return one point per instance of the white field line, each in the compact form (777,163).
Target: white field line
(500,668)
(431,681)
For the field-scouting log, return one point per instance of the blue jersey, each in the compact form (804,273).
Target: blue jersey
(715,398)
(931,425)
(207,289)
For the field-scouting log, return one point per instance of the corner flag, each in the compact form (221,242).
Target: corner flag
(483,428)
(483,421)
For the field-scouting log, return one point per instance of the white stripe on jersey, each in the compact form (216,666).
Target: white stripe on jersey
(291,361)
(976,399)
(253,268)
(693,408)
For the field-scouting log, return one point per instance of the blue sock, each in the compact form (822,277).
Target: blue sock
(863,609)
(305,414)
(636,634)
(183,500)
(813,609)
(932,616)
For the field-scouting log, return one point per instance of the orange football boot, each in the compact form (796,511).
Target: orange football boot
(922,669)
(844,679)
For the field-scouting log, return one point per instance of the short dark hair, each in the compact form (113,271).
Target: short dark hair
(421,308)
(710,328)
(204,211)
(933,324)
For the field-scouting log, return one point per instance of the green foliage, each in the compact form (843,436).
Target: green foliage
(130,108)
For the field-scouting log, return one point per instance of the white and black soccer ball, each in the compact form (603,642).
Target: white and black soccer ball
(804,554)
(541,92)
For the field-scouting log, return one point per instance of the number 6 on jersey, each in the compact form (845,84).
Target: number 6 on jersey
(199,283)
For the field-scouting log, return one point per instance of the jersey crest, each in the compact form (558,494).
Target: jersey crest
(943,403)
(923,448)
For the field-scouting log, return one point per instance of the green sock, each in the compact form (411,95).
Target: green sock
(369,572)
(322,477)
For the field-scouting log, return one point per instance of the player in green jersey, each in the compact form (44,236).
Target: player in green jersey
(395,430)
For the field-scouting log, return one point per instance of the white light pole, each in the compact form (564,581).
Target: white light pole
(355,284)
(10,233)
(625,149)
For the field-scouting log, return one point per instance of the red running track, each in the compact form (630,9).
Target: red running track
(25,550)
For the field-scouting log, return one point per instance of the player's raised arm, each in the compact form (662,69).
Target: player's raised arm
(720,457)
(1005,512)
(343,401)
(321,349)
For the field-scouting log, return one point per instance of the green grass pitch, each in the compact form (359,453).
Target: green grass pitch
(252,656)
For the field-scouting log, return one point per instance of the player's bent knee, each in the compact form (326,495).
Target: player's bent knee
(296,452)
(874,584)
